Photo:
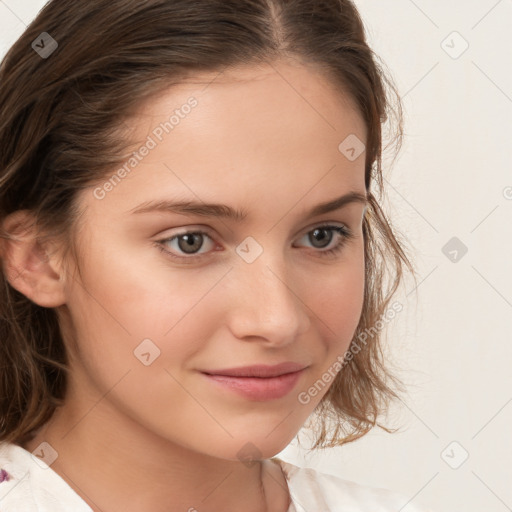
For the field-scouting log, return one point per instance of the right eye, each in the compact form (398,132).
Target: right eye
(188,242)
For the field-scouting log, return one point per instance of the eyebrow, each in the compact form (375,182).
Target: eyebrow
(238,215)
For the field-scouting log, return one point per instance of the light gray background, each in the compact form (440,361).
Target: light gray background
(453,178)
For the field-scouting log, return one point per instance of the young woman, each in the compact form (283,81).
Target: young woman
(194,258)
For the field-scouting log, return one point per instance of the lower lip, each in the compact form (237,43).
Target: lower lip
(260,389)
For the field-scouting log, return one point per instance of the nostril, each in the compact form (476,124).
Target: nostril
(4,476)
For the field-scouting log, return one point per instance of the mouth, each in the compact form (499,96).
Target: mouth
(257,388)
(259,370)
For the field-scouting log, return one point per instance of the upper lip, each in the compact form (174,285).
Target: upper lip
(259,370)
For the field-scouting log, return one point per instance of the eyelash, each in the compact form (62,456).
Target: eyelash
(343,231)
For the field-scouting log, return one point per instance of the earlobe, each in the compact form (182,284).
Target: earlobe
(27,265)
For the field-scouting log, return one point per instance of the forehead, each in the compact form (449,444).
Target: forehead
(265,91)
(252,131)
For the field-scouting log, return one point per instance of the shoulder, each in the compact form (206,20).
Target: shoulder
(30,485)
(311,489)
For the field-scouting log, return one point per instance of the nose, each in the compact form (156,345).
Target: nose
(266,304)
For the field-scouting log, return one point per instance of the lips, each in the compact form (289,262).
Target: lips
(259,370)
(259,389)
(258,382)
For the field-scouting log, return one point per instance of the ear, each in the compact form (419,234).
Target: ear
(29,266)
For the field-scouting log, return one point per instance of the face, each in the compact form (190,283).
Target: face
(166,294)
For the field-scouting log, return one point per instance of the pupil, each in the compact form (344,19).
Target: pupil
(319,237)
(189,243)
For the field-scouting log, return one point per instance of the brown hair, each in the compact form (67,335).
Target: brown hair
(59,121)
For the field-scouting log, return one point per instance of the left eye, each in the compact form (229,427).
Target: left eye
(190,242)
(317,234)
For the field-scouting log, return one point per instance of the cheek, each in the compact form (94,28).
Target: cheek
(124,319)
(125,290)
(124,300)
(337,300)
(344,308)
(337,304)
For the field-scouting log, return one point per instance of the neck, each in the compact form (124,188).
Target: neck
(112,470)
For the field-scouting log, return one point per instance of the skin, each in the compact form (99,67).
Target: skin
(161,437)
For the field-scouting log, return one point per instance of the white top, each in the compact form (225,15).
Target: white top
(28,484)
